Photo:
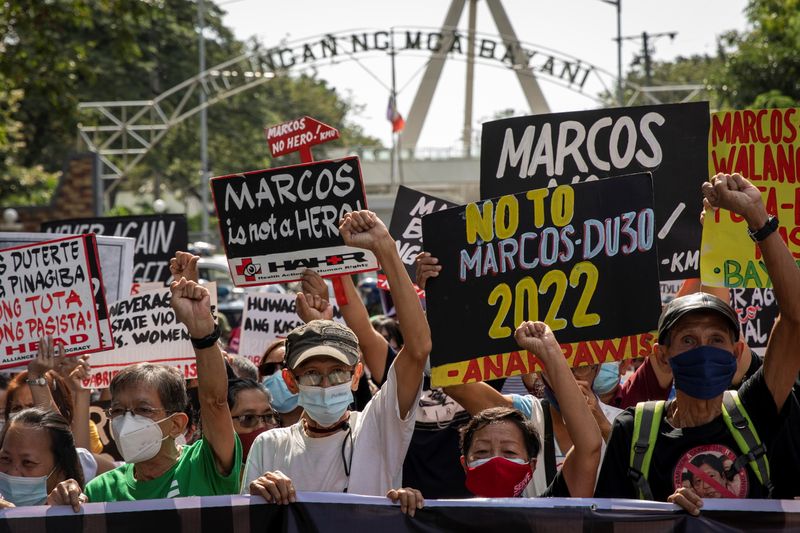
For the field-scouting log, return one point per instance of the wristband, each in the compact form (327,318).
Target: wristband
(765,231)
(40,381)
(208,340)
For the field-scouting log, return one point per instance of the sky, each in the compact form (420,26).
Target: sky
(584,29)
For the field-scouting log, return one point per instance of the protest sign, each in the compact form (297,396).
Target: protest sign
(268,316)
(116,259)
(146,331)
(298,135)
(147,286)
(406,227)
(97,414)
(50,288)
(518,154)
(581,257)
(762,145)
(669,291)
(157,238)
(757,310)
(275,223)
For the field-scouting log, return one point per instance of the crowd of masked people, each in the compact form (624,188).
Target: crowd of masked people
(349,408)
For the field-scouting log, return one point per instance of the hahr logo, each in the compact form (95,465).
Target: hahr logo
(248,269)
(290,265)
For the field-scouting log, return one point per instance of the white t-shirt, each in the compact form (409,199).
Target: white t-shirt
(379,443)
(88,464)
(531,407)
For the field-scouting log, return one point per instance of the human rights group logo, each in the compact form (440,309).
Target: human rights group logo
(248,269)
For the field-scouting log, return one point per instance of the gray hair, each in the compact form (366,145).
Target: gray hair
(243,367)
(166,380)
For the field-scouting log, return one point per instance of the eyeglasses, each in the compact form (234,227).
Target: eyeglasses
(142,410)
(313,378)
(250,421)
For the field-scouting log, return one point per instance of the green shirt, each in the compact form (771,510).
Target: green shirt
(195,474)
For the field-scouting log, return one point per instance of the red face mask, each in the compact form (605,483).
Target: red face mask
(248,438)
(498,477)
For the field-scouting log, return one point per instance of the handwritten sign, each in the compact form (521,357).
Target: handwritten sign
(763,146)
(518,154)
(276,223)
(757,310)
(146,330)
(269,316)
(406,227)
(582,258)
(298,135)
(50,288)
(157,238)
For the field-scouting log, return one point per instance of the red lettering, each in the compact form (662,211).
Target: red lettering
(720,131)
(492,367)
(515,364)
(473,372)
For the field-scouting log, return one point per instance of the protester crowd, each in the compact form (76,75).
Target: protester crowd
(337,408)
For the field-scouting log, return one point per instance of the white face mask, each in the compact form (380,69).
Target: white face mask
(138,438)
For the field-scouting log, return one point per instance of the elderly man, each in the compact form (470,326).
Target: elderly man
(147,415)
(333,449)
(655,451)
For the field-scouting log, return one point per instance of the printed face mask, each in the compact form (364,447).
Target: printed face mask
(283,400)
(607,378)
(498,477)
(22,491)
(704,372)
(138,438)
(325,405)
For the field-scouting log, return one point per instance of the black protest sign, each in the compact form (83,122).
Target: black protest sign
(50,288)
(582,258)
(275,223)
(157,237)
(406,227)
(97,414)
(671,141)
(757,310)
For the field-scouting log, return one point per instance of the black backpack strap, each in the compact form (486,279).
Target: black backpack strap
(549,444)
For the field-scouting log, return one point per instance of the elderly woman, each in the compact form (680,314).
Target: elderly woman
(251,412)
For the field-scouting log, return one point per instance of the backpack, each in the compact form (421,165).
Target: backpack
(647,420)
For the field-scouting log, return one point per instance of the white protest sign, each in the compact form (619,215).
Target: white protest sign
(116,259)
(269,316)
(146,331)
(47,288)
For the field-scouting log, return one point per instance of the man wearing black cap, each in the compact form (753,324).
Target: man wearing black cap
(333,449)
(698,336)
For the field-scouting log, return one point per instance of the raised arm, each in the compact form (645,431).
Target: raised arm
(365,230)
(782,360)
(37,369)
(475,397)
(373,346)
(192,306)
(580,465)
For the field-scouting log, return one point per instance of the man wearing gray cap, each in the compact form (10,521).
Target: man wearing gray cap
(666,451)
(333,449)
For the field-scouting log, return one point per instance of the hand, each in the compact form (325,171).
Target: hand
(313,284)
(5,504)
(363,229)
(274,487)
(79,369)
(687,499)
(45,358)
(67,493)
(538,339)
(736,194)
(410,500)
(192,306)
(427,267)
(312,307)
(184,265)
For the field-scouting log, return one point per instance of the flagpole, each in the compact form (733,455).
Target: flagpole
(395,154)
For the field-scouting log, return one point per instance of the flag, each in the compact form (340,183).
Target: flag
(393,116)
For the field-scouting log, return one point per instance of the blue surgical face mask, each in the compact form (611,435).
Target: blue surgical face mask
(704,372)
(607,378)
(22,491)
(325,405)
(283,400)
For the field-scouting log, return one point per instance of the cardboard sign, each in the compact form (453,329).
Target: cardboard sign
(757,310)
(406,227)
(50,288)
(582,258)
(146,330)
(523,153)
(269,316)
(276,223)
(157,238)
(298,135)
(763,146)
(116,259)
